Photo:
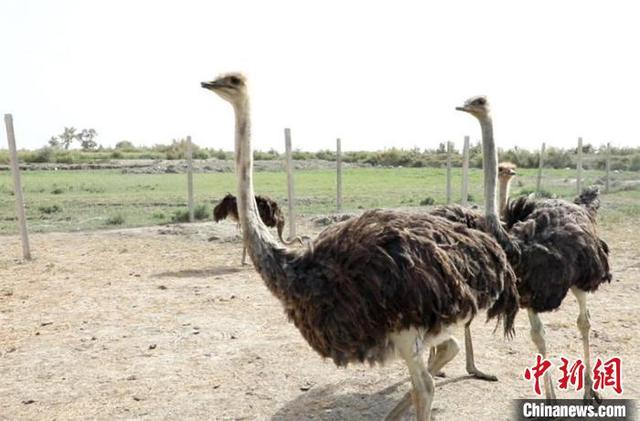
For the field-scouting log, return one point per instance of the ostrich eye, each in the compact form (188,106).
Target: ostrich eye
(481,101)
(234,80)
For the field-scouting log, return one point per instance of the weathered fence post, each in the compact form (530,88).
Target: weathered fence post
(190,178)
(338,175)
(579,167)
(17,187)
(465,172)
(608,166)
(289,165)
(448,172)
(540,165)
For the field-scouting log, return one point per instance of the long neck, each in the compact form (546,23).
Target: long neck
(490,167)
(263,248)
(505,184)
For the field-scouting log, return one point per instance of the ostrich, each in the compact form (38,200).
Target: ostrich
(385,282)
(560,251)
(506,172)
(270,214)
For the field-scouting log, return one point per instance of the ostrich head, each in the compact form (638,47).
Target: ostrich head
(478,106)
(506,171)
(231,87)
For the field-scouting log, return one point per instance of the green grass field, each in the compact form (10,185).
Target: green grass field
(84,200)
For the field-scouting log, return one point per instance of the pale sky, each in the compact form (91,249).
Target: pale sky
(377,74)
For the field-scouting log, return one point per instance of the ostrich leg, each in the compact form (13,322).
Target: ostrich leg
(471,365)
(432,357)
(244,256)
(537,335)
(422,382)
(444,353)
(584,326)
(244,248)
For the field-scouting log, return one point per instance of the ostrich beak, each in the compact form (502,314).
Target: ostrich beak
(462,109)
(211,85)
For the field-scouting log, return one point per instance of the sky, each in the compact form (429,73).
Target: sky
(376,74)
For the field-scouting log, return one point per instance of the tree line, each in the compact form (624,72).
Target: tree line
(59,150)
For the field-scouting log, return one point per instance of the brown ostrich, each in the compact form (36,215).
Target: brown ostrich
(270,214)
(380,284)
(559,250)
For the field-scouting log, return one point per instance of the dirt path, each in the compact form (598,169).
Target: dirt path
(159,323)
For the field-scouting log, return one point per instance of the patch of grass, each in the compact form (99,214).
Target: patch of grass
(50,209)
(92,188)
(181,215)
(429,201)
(158,215)
(57,190)
(363,188)
(116,219)
(200,212)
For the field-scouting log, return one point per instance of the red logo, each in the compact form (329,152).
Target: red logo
(573,375)
(605,374)
(536,372)
(608,373)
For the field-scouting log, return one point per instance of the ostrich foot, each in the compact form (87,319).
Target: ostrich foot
(482,376)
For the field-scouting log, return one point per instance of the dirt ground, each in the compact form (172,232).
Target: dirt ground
(161,323)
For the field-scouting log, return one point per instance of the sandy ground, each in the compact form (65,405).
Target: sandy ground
(160,323)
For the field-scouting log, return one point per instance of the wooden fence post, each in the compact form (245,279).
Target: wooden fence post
(338,175)
(608,166)
(190,178)
(448,172)
(540,165)
(465,172)
(289,165)
(17,187)
(579,167)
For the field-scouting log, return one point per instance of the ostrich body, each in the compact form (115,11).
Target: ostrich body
(270,214)
(559,251)
(382,283)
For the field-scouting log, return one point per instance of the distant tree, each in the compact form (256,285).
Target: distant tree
(67,136)
(86,138)
(125,144)
(54,142)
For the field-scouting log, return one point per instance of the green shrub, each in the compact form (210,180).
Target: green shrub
(45,154)
(117,219)
(64,157)
(50,209)
(429,201)
(200,212)
(57,190)
(635,163)
(126,146)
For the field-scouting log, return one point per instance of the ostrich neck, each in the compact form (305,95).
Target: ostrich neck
(490,168)
(505,185)
(262,247)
